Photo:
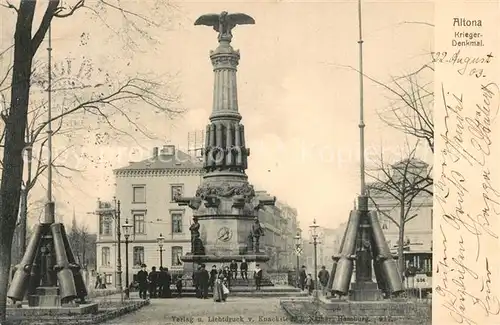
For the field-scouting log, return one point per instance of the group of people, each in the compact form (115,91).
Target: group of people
(99,283)
(218,280)
(157,283)
(306,281)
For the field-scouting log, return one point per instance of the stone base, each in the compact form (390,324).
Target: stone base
(45,297)
(28,311)
(365,291)
(385,311)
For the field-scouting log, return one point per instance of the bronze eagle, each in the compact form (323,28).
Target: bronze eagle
(224,22)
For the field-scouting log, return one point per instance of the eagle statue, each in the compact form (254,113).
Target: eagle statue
(224,22)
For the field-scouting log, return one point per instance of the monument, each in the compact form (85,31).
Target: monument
(225,207)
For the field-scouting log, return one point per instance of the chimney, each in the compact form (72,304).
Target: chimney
(155,152)
(168,150)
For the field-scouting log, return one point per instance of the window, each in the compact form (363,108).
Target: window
(139,224)
(138,255)
(176,222)
(384,221)
(108,278)
(176,255)
(105,257)
(139,194)
(105,225)
(175,190)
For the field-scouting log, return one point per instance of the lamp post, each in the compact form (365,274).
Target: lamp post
(127,227)
(298,239)
(160,240)
(119,257)
(314,236)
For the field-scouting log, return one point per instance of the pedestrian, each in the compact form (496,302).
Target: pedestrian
(196,282)
(153,282)
(323,277)
(233,267)
(98,281)
(244,269)
(213,276)
(302,277)
(227,275)
(167,281)
(309,284)
(161,280)
(218,293)
(257,275)
(178,285)
(142,280)
(204,280)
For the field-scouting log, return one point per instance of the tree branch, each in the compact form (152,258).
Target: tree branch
(44,25)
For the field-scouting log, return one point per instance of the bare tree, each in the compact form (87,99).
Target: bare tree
(412,109)
(83,243)
(411,102)
(15,115)
(399,187)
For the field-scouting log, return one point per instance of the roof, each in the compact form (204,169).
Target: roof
(177,160)
(412,163)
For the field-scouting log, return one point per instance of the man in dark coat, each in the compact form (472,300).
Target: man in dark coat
(161,280)
(302,278)
(323,277)
(196,281)
(153,282)
(233,267)
(213,276)
(244,269)
(178,285)
(167,281)
(142,280)
(204,278)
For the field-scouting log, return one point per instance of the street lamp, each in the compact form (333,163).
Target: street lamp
(298,239)
(127,227)
(314,236)
(161,240)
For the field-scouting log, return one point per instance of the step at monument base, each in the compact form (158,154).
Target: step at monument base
(365,291)
(45,297)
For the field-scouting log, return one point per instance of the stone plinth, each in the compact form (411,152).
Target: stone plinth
(365,291)
(29,311)
(385,311)
(45,297)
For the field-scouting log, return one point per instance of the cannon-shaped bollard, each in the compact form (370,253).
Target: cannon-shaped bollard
(81,289)
(388,267)
(335,259)
(65,277)
(21,280)
(345,265)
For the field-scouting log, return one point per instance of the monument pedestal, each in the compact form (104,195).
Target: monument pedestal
(45,297)
(365,291)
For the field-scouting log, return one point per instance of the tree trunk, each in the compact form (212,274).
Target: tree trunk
(15,127)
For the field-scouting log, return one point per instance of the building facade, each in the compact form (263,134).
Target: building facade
(146,190)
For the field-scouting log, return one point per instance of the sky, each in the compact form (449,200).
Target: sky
(298,97)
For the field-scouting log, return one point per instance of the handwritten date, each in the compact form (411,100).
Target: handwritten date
(464,63)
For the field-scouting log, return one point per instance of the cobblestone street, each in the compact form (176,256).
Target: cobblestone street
(237,310)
